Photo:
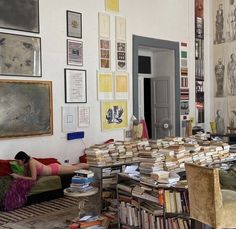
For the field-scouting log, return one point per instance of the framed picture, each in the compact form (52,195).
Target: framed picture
(121,85)
(104,54)
(83,116)
(75,86)
(21,55)
(20,15)
(105,85)
(112,5)
(121,56)
(104,25)
(74,52)
(120,28)
(26,108)
(114,114)
(74,24)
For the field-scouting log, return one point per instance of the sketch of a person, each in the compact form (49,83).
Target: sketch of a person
(220,124)
(231,71)
(219,73)
(109,115)
(232,21)
(219,25)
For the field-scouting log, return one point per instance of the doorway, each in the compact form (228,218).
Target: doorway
(156,85)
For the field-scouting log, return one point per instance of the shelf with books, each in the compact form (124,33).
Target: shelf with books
(106,176)
(156,207)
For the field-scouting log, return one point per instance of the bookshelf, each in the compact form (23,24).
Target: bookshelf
(106,177)
(199,61)
(151,206)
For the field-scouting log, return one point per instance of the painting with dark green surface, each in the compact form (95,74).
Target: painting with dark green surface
(25,108)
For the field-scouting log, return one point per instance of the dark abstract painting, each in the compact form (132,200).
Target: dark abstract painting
(20,15)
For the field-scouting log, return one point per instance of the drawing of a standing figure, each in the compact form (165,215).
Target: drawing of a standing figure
(232,21)
(231,70)
(220,124)
(219,25)
(219,73)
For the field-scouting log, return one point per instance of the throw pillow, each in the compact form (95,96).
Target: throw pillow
(16,168)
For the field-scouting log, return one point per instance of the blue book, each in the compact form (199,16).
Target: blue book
(82,180)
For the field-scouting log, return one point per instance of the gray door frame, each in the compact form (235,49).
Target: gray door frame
(156,43)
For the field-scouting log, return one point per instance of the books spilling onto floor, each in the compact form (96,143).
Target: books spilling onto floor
(81,181)
(90,220)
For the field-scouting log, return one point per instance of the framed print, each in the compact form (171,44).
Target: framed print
(69,117)
(74,24)
(74,52)
(83,116)
(104,25)
(26,108)
(105,85)
(20,55)
(114,114)
(75,86)
(112,5)
(120,28)
(20,15)
(104,57)
(121,85)
(121,56)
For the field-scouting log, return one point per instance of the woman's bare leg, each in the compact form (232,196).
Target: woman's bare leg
(67,169)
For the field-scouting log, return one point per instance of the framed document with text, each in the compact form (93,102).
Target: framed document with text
(75,86)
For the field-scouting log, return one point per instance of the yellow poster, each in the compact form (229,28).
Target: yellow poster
(114,114)
(105,82)
(121,86)
(112,5)
(121,83)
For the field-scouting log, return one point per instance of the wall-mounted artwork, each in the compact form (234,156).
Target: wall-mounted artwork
(114,114)
(121,56)
(112,5)
(105,85)
(25,108)
(75,86)
(74,52)
(20,55)
(121,85)
(120,28)
(20,15)
(74,24)
(104,25)
(104,54)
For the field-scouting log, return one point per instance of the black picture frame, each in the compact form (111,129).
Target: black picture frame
(75,85)
(74,52)
(74,24)
(22,55)
(20,15)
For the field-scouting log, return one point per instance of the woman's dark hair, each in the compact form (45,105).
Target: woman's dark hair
(22,156)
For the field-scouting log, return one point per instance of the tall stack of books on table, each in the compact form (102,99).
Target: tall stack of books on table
(81,181)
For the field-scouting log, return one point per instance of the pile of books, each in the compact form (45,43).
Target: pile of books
(81,181)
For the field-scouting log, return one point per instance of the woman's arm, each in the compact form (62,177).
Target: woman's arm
(33,172)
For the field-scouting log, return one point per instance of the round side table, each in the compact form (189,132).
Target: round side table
(82,197)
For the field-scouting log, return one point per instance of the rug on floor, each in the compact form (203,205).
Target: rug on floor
(34,210)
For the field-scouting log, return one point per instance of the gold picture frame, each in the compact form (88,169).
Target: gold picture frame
(26,108)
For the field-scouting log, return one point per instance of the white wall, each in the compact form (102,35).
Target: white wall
(168,20)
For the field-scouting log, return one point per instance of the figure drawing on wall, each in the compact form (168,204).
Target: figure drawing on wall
(232,21)
(219,74)
(231,71)
(219,23)
(220,125)
(114,114)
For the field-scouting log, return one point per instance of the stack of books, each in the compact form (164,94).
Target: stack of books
(81,181)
